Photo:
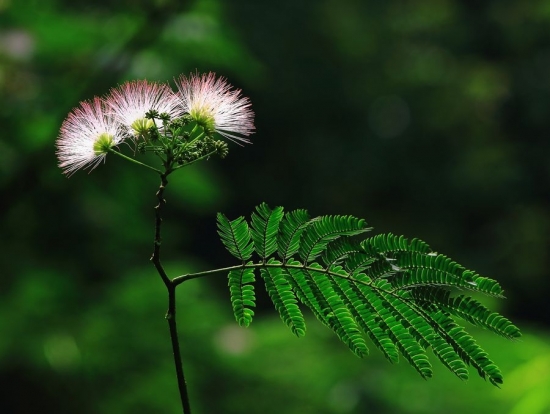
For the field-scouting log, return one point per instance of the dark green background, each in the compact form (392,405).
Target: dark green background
(428,118)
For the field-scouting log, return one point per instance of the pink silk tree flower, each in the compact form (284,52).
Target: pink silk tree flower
(130,102)
(214,105)
(86,137)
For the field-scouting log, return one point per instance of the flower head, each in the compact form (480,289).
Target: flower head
(212,103)
(86,137)
(132,100)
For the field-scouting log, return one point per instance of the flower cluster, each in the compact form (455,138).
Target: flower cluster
(141,110)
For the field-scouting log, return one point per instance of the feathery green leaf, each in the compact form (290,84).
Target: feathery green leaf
(290,231)
(339,318)
(395,291)
(424,333)
(340,249)
(467,348)
(264,229)
(408,346)
(241,289)
(235,236)
(327,228)
(284,299)
(307,290)
(367,317)
(468,309)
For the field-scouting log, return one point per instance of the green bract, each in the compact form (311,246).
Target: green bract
(103,144)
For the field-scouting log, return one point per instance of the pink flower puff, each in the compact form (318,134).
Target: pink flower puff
(86,136)
(130,102)
(212,103)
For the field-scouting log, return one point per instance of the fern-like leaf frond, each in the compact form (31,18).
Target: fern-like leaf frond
(291,228)
(235,236)
(395,291)
(322,231)
(425,334)
(264,230)
(407,344)
(468,309)
(467,348)
(386,243)
(243,298)
(342,321)
(307,290)
(358,262)
(340,250)
(283,297)
(365,314)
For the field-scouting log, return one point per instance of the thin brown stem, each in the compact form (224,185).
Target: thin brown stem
(171,318)
(171,288)
(155,258)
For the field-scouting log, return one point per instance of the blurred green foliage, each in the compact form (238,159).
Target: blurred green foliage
(428,118)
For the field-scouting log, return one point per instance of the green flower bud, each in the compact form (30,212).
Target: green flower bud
(141,126)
